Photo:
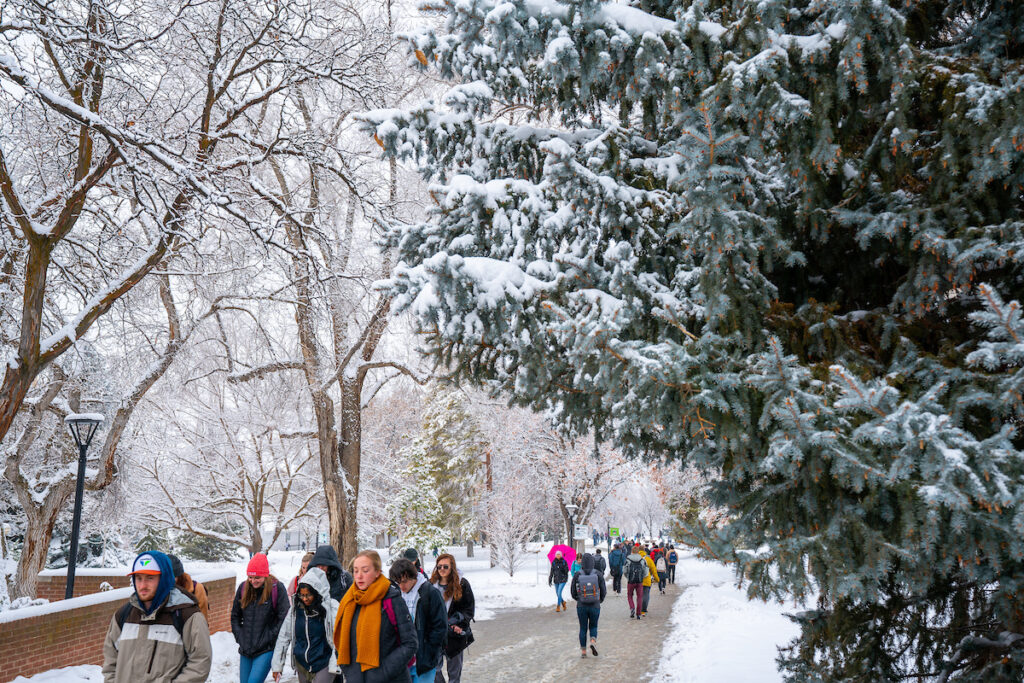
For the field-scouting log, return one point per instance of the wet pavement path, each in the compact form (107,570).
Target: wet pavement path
(540,645)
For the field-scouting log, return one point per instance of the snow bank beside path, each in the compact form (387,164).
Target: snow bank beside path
(717,635)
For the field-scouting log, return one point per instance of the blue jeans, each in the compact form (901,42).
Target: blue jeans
(588,616)
(558,592)
(254,669)
(425,677)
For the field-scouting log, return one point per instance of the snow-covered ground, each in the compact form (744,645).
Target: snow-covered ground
(716,635)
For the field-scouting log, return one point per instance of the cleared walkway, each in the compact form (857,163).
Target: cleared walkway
(542,645)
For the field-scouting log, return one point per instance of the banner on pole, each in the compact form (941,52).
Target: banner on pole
(581,532)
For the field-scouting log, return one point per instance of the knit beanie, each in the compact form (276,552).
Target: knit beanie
(258,566)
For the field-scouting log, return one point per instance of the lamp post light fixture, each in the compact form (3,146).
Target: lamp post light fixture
(83,427)
(571,509)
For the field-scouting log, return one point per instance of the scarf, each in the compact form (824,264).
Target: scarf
(368,626)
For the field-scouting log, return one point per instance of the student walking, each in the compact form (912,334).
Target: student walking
(616,558)
(159,635)
(599,562)
(636,573)
(673,559)
(461,605)
(326,557)
(373,632)
(429,616)
(190,586)
(259,609)
(652,576)
(559,576)
(662,566)
(307,636)
(588,590)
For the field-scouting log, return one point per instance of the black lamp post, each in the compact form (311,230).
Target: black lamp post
(83,427)
(571,509)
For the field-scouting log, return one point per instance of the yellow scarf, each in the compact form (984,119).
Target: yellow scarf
(368,627)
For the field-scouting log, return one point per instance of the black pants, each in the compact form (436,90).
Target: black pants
(617,581)
(671,573)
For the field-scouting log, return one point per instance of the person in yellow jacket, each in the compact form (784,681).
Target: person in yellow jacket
(653,576)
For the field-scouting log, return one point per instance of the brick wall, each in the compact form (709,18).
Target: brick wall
(71,632)
(51,585)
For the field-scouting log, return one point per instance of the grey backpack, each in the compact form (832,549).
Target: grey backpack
(589,590)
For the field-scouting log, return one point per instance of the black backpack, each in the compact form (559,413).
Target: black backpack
(635,571)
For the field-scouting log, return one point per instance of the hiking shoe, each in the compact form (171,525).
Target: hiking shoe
(593,648)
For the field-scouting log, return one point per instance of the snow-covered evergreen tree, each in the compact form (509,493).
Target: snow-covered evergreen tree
(751,235)
(438,502)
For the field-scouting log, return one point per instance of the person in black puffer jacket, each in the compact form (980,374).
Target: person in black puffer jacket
(259,609)
(458,598)
(559,576)
(326,558)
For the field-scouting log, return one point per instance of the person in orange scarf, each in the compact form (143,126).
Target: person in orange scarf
(373,633)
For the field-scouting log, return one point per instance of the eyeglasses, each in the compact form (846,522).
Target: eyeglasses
(305,596)
(444,566)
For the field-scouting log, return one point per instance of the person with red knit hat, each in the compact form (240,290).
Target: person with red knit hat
(257,613)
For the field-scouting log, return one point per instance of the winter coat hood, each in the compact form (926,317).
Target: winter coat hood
(635,557)
(325,555)
(317,581)
(588,563)
(163,588)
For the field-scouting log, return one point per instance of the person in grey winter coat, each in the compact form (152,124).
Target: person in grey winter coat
(160,636)
(307,635)
(588,590)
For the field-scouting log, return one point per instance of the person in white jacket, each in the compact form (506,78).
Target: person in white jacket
(307,635)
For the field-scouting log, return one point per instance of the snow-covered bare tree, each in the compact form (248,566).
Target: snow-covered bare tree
(225,461)
(510,518)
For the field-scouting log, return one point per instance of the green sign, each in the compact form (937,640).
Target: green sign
(614,532)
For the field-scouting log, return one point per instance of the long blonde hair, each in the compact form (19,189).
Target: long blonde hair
(258,595)
(453,591)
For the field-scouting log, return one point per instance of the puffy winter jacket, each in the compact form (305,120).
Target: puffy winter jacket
(636,557)
(198,591)
(559,572)
(148,648)
(616,559)
(651,577)
(397,644)
(256,627)
(297,621)
(599,564)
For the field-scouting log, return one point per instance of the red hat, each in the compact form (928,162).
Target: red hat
(258,566)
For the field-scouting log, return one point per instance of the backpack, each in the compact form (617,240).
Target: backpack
(589,589)
(660,564)
(634,571)
(672,558)
(389,609)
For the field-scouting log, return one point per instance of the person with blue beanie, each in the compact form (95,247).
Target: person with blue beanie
(159,635)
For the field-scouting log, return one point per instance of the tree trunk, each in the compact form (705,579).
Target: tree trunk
(39,524)
(469,547)
(351,455)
